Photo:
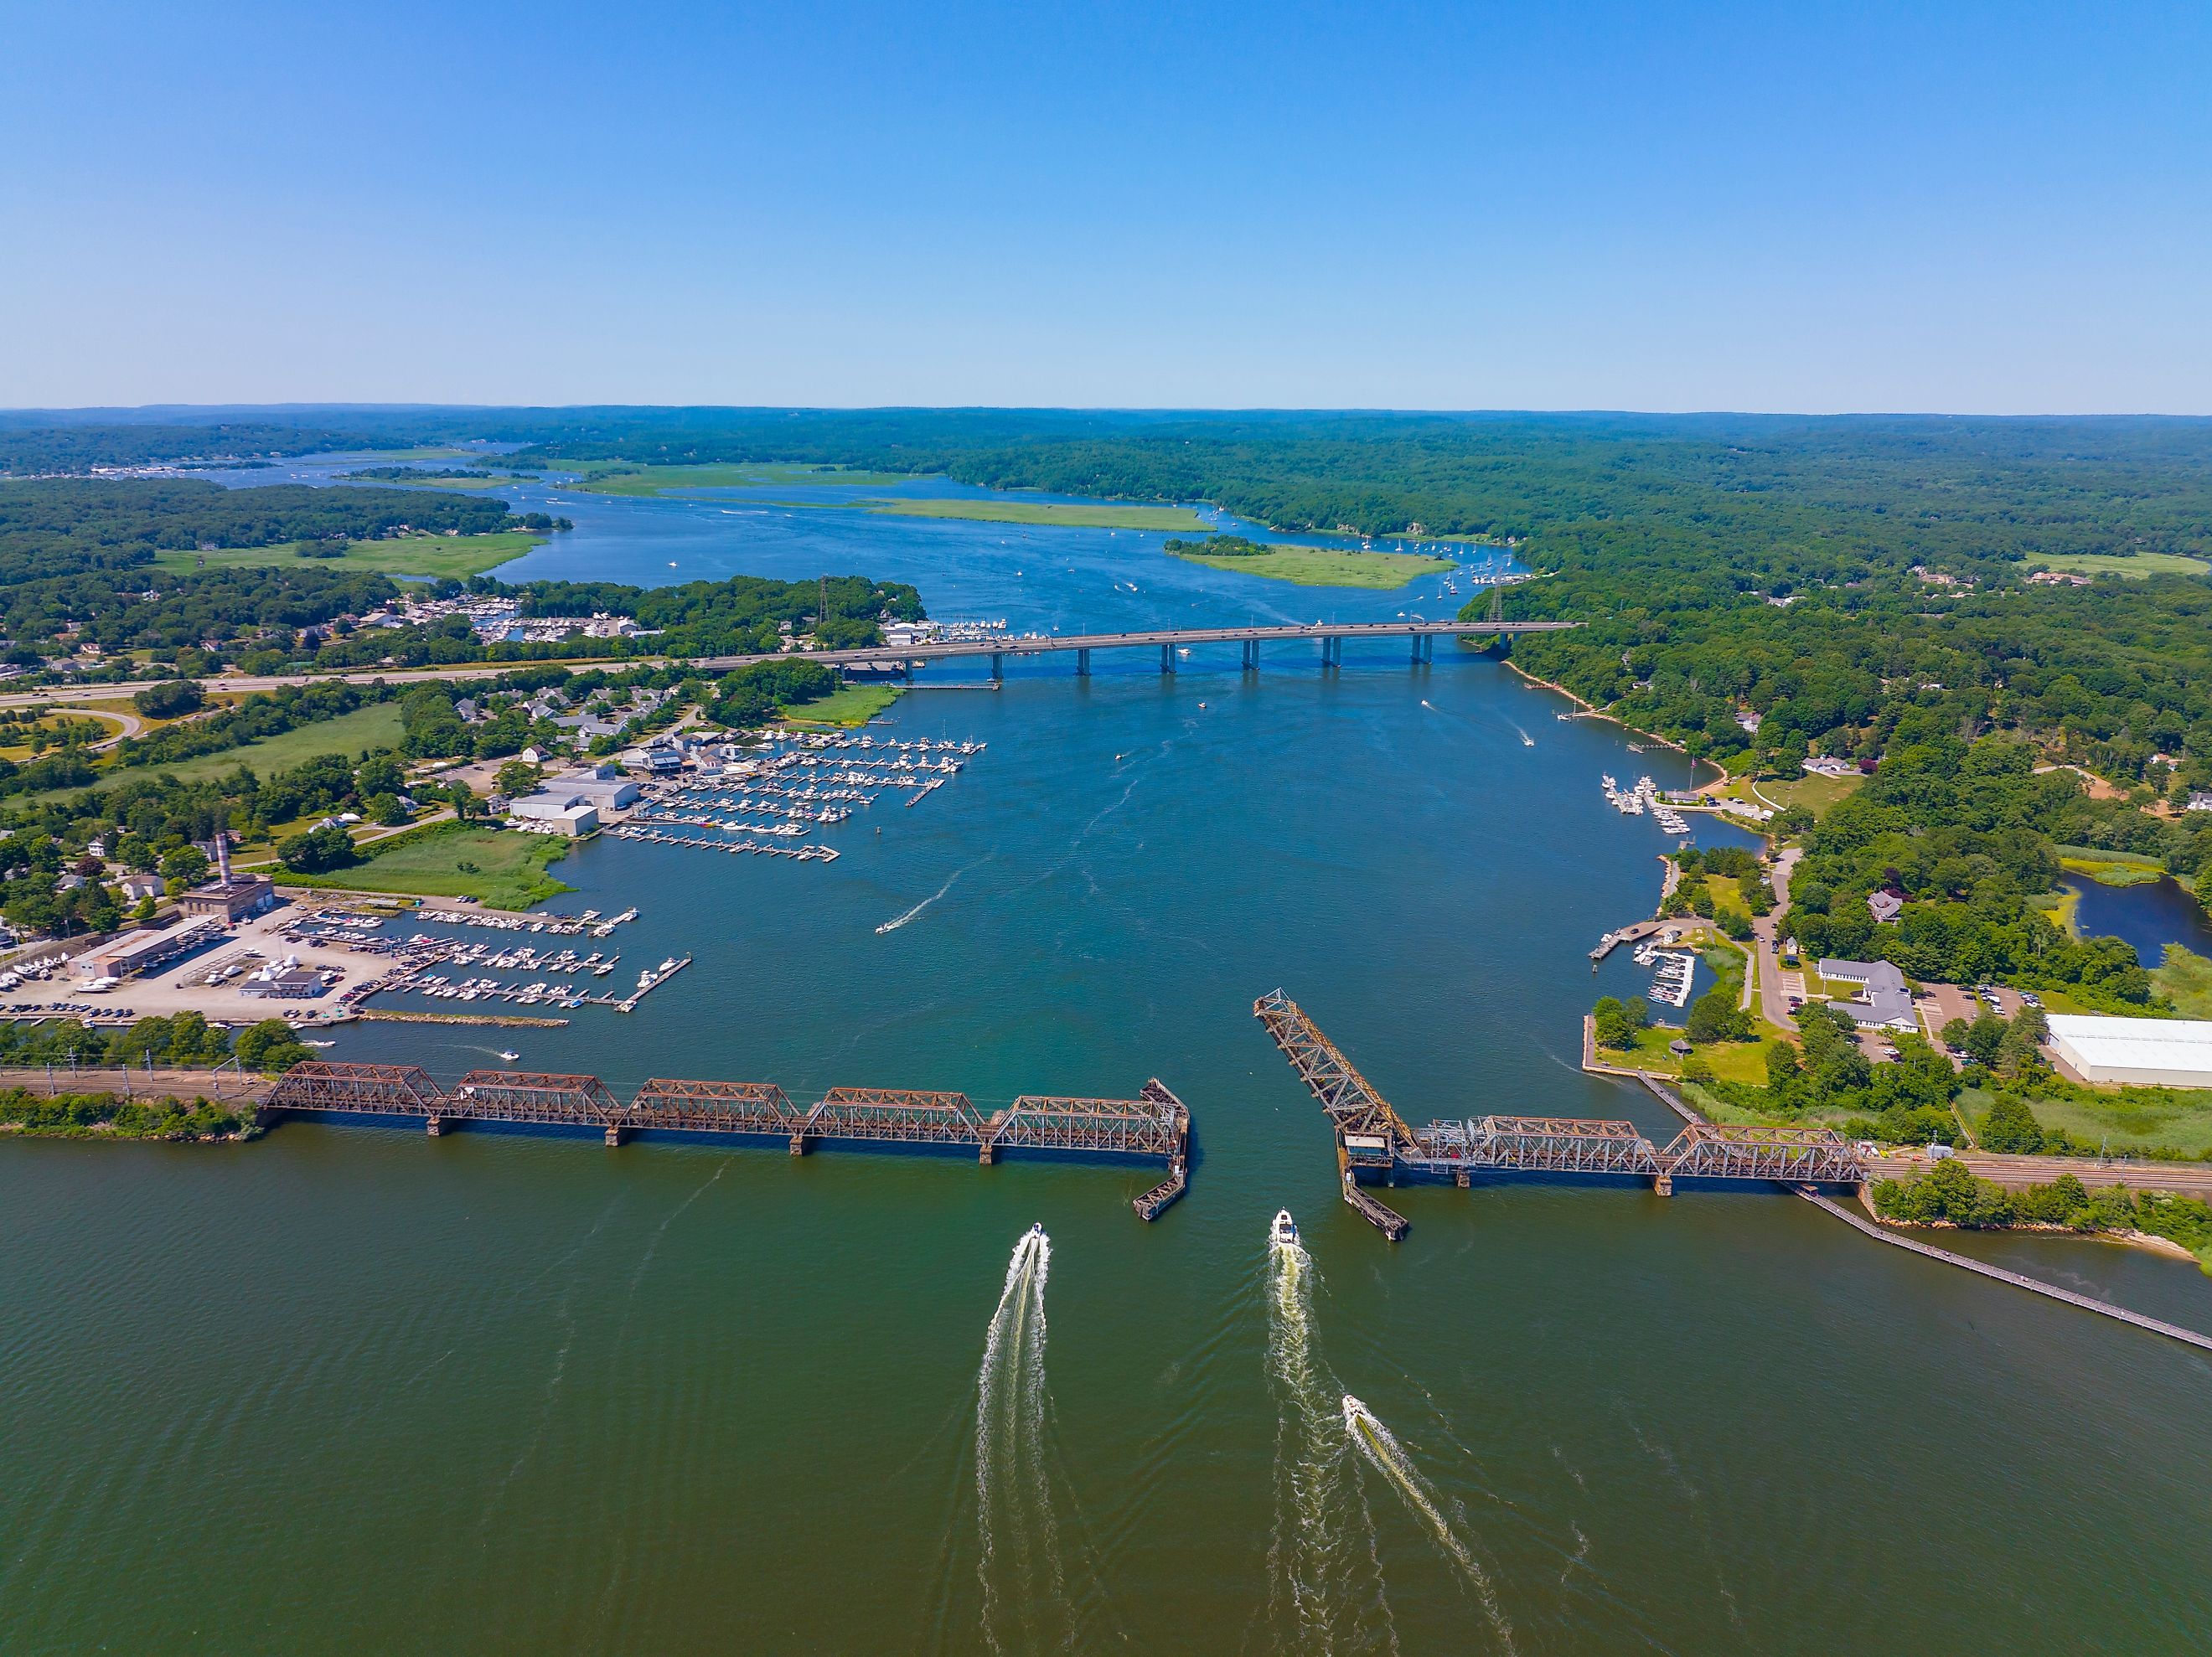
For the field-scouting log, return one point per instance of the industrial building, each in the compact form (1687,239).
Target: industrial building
(138,952)
(2167,1053)
(550,814)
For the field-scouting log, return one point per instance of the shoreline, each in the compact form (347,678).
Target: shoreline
(1585,710)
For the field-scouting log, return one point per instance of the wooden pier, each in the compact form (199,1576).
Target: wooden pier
(1372,1139)
(1156,1124)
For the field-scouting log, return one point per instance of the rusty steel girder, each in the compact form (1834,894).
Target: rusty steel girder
(896,1113)
(1352,1103)
(714,1106)
(521,1095)
(1556,1144)
(1711,1150)
(1140,1127)
(379,1089)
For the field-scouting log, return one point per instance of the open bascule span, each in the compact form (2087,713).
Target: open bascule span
(1155,1126)
(1373,1140)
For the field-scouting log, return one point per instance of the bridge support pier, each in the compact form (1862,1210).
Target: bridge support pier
(434,1126)
(799,1144)
(1332,650)
(1251,655)
(1662,1185)
(1083,662)
(983,1154)
(1424,647)
(1167,658)
(1463,1179)
(998,667)
(614,1136)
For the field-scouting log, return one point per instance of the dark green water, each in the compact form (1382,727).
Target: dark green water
(349,1390)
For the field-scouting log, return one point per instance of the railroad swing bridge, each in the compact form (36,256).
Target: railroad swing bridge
(1155,1124)
(1373,1139)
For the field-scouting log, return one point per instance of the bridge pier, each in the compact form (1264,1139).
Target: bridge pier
(799,1144)
(984,1153)
(1251,655)
(998,667)
(1167,658)
(614,1136)
(1424,647)
(1083,662)
(434,1126)
(1662,1185)
(1332,650)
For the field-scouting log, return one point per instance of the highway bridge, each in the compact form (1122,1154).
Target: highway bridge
(1420,637)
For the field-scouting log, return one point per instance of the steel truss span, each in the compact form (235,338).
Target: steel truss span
(1371,1136)
(1155,1124)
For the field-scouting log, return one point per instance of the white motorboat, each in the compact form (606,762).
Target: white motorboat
(1283,1234)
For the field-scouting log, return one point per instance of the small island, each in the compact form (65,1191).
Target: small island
(1308,567)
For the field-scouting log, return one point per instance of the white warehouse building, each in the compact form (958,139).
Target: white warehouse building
(2169,1053)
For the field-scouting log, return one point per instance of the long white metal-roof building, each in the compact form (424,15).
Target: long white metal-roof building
(2171,1052)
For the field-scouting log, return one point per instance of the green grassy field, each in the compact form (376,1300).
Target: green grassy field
(2186,979)
(2129,1121)
(1065,514)
(374,727)
(849,704)
(2134,566)
(1327,566)
(507,869)
(2110,868)
(660,479)
(1732,1061)
(457,557)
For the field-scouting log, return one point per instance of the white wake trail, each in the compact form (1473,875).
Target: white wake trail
(893,926)
(1384,1452)
(1325,1585)
(1018,1568)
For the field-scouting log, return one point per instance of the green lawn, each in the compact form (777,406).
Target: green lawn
(2134,566)
(2111,868)
(1732,1061)
(660,479)
(849,704)
(374,727)
(458,556)
(1810,792)
(1327,567)
(507,871)
(1065,515)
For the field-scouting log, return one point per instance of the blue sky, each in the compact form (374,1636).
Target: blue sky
(1986,208)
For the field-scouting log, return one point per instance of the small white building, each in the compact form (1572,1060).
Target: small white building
(2167,1053)
(136,887)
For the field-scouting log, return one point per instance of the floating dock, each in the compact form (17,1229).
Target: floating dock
(1155,1124)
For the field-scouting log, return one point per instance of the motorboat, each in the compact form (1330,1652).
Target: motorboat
(507,1056)
(1283,1234)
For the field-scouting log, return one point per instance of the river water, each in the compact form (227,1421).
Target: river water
(347,1390)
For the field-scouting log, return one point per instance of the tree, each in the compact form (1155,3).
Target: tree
(1714,1016)
(516,778)
(172,699)
(1612,1025)
(385,811)
(2019,1050)
(187,864)
(2010,1125)
(379,773)
(1782,1070)
(270,1046)
(319,850)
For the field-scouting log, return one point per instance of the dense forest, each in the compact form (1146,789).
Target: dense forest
(66,526)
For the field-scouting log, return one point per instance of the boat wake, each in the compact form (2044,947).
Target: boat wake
(1324,1580)
(1388,1457)
(898,921)
(1025,1603)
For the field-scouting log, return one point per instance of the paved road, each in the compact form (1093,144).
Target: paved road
(1765,930)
